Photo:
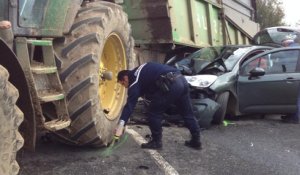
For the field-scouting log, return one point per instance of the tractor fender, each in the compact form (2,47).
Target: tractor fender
(17,77)
(71,14)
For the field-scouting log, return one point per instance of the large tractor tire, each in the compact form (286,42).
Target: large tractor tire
(99,41)
(10,119)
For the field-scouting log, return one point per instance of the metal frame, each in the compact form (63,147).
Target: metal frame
(13,16)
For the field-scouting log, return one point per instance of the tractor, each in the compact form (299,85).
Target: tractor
(58,66)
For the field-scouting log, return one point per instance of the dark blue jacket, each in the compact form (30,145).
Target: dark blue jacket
(142,82)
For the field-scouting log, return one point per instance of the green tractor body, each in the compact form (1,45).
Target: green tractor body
(63,58)
(35,18)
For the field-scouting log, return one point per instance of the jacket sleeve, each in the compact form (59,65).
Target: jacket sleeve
(133,95)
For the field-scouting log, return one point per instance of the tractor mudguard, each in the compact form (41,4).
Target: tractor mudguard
(17,77)
(204,110)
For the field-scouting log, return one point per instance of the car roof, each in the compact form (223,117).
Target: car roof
(277,49)
(239,46)
(287,48)
(242,46)
(253,47)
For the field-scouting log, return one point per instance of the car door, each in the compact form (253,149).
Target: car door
(275,91)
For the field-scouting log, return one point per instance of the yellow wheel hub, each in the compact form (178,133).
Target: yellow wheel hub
(113,59)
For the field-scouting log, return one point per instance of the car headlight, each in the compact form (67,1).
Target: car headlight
(201,81)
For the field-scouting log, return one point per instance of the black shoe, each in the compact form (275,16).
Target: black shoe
(289,119)
(153,144)
(193,144)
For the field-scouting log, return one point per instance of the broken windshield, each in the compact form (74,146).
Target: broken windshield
(222,57)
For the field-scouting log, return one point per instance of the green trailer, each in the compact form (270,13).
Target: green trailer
(164,28)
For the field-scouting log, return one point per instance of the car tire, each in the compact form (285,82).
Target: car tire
(222,100)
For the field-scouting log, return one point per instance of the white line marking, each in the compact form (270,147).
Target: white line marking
(160,161)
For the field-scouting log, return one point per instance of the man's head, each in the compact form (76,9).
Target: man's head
(123,78)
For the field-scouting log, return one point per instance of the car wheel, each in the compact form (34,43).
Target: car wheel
(222,100)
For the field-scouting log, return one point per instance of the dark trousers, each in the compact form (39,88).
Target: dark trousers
(296,116)
(160,102)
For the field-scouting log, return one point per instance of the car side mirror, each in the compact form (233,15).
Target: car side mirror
(257,71)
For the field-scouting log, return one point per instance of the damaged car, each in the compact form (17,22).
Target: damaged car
(236,80)
(233,80)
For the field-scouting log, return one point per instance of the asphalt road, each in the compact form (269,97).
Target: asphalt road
(248,146)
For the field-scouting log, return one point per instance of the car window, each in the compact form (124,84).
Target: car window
(236,54)
(202,58)
(208,54)
(283,61)
(273,63)
(250,55)
(261,62)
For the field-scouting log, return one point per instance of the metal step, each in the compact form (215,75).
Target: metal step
(40,42)
(57,124)
(43,69)
(43,78)
(51,97)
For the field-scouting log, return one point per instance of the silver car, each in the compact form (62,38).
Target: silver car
(236,80)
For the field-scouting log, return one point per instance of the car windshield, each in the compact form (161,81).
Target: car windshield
(233,58)
(215,57)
